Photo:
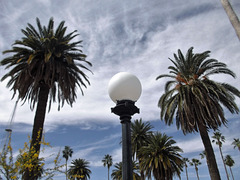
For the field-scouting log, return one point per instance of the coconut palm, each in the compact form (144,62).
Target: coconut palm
(117,172)
(196,100)
(107,161)
(161,157)
(219,139)
(236,143)
(232,16)
(45,67)
(67,152)
(140,132)
(195,163)
(229,162)
(79,170)
(185,161)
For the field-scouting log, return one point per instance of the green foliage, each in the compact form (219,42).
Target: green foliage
(229,161)
(45,56)
(161,157)
(218,138)
(107,161)
(8,168)
(140,133)
(192,96)
(117,172)
(27,161)
(236,143)
(79,170)
(67,152)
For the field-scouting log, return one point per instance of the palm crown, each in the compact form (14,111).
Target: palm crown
(193,96)
(46,57)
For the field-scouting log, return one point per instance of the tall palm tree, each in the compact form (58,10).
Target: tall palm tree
(107,161)
(67,152)
(140,132)
(236,143)
(117,172)
(232,16)
(185,161)
(229,162)
(196,100)
(195,163)
(45,67)
(161,157)
(79,170)
(219,139)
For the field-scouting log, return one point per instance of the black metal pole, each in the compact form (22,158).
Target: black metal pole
(125,109)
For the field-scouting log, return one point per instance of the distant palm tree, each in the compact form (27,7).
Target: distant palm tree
(107,161)
(67,152)
(232,16)
(79,170)
(219,139)
(185,161)
(161,157)
(203,154)
(117,172)
(195,163)
(45,67)
(236,143)
(196,100)
(140,132)
(229,162)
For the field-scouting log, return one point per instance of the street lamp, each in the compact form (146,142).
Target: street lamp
(125,89)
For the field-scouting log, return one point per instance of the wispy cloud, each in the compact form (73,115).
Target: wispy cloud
(134,36)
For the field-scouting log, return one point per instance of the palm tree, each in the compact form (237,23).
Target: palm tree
(195,163)
(79,170)
(161,158)
(232,16)
(67,152)
(196,100)
(140,132)
(45,67)
(107,161)
(203,154)
(117,172)
(229,162)
(236,143)
(185,160)
(219,139)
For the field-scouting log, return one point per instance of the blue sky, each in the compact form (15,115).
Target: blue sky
(136,36)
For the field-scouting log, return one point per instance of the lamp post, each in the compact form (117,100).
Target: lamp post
(125,89)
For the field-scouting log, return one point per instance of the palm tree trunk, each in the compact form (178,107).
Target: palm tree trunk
(196,171)
(38,124)
(210,156)
(231,172)
(39,117)
(66,170)
(220,149)
(232,16)
(108,173)
(186,172)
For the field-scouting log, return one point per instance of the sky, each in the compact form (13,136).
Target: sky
(138,37)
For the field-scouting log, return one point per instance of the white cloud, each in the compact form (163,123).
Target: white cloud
(134,36)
